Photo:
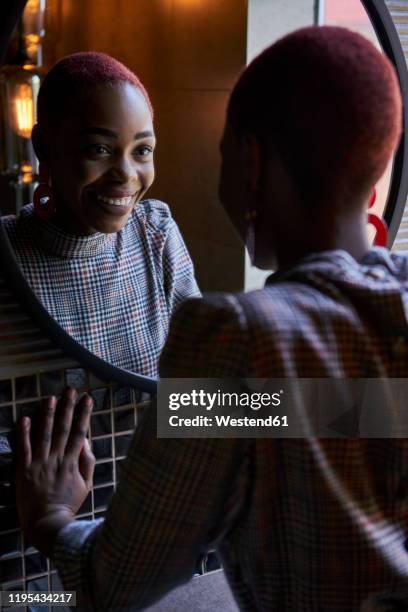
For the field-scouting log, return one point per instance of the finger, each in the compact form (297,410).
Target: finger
(80,427)
(63,422)
(24,455)
(44,435)
(87,463)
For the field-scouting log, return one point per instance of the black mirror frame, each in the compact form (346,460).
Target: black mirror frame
(387,35)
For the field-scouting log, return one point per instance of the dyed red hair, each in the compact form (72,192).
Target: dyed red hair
(78,74)
(328,103)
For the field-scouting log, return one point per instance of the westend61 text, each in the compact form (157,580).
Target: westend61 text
(228,421)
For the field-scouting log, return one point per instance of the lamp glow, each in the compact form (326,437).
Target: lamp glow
(33,6)
(19,86)
(34,29)
(33,17)
(23,110)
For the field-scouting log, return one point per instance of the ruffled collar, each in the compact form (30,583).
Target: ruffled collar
(337,260)
(54,241)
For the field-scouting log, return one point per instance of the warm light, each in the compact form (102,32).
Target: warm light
(27,173)
(33,17)
(34,29)
(32,43)
(23,110)
(19,86)
(33,6)
(33,39)
(189,4)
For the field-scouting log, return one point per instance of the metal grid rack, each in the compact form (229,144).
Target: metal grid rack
(116,413)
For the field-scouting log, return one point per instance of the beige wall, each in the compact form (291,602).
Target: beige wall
(188,54)
(267,22)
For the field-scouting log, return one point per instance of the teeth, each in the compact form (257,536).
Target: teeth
(116,201)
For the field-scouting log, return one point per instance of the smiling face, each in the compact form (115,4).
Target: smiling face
(100,158)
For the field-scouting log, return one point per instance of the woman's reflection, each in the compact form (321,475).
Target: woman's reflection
(109,266)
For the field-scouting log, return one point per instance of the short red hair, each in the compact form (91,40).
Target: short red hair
(80,73)
(328,103)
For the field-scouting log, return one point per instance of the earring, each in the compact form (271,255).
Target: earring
(381,234)
(250,217)
(43,198)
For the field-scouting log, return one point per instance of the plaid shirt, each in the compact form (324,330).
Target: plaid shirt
(302,525)
(113,293)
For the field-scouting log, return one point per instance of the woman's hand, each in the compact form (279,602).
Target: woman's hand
(54,479)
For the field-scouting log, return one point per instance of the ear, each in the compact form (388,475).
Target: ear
(38,143)
(252,154)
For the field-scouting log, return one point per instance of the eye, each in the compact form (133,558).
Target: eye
(98,150)
(143,151)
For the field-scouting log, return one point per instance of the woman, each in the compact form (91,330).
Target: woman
(302,524)
(108,265)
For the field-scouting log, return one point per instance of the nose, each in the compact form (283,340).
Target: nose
(124,169)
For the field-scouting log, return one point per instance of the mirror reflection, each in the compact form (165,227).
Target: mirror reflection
(264,26)
(109,265)
(98,243)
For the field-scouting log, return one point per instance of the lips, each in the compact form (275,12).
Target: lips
(114,203)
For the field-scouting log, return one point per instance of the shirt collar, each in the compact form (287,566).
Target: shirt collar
(330,260)
(53,240)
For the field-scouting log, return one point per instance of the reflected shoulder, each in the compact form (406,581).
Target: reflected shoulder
(152,208)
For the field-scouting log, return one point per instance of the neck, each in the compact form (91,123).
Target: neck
(347,234)
(65,220)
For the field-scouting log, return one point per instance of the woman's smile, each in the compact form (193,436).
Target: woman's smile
(114,204)
(103,162)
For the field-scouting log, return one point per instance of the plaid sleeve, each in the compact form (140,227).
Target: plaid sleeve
(208,338)
(176,498)
(178,269)
(170,506)
(71,556)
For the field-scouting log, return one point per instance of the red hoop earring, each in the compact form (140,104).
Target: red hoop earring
(381,234)
(43,198)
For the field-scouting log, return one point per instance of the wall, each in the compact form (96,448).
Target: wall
(268,21)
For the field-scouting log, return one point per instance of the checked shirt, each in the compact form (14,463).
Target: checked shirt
(301,525)
(113,293)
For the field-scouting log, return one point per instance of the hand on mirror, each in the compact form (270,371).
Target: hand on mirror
(54,478)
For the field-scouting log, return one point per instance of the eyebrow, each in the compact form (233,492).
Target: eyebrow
(112,134)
